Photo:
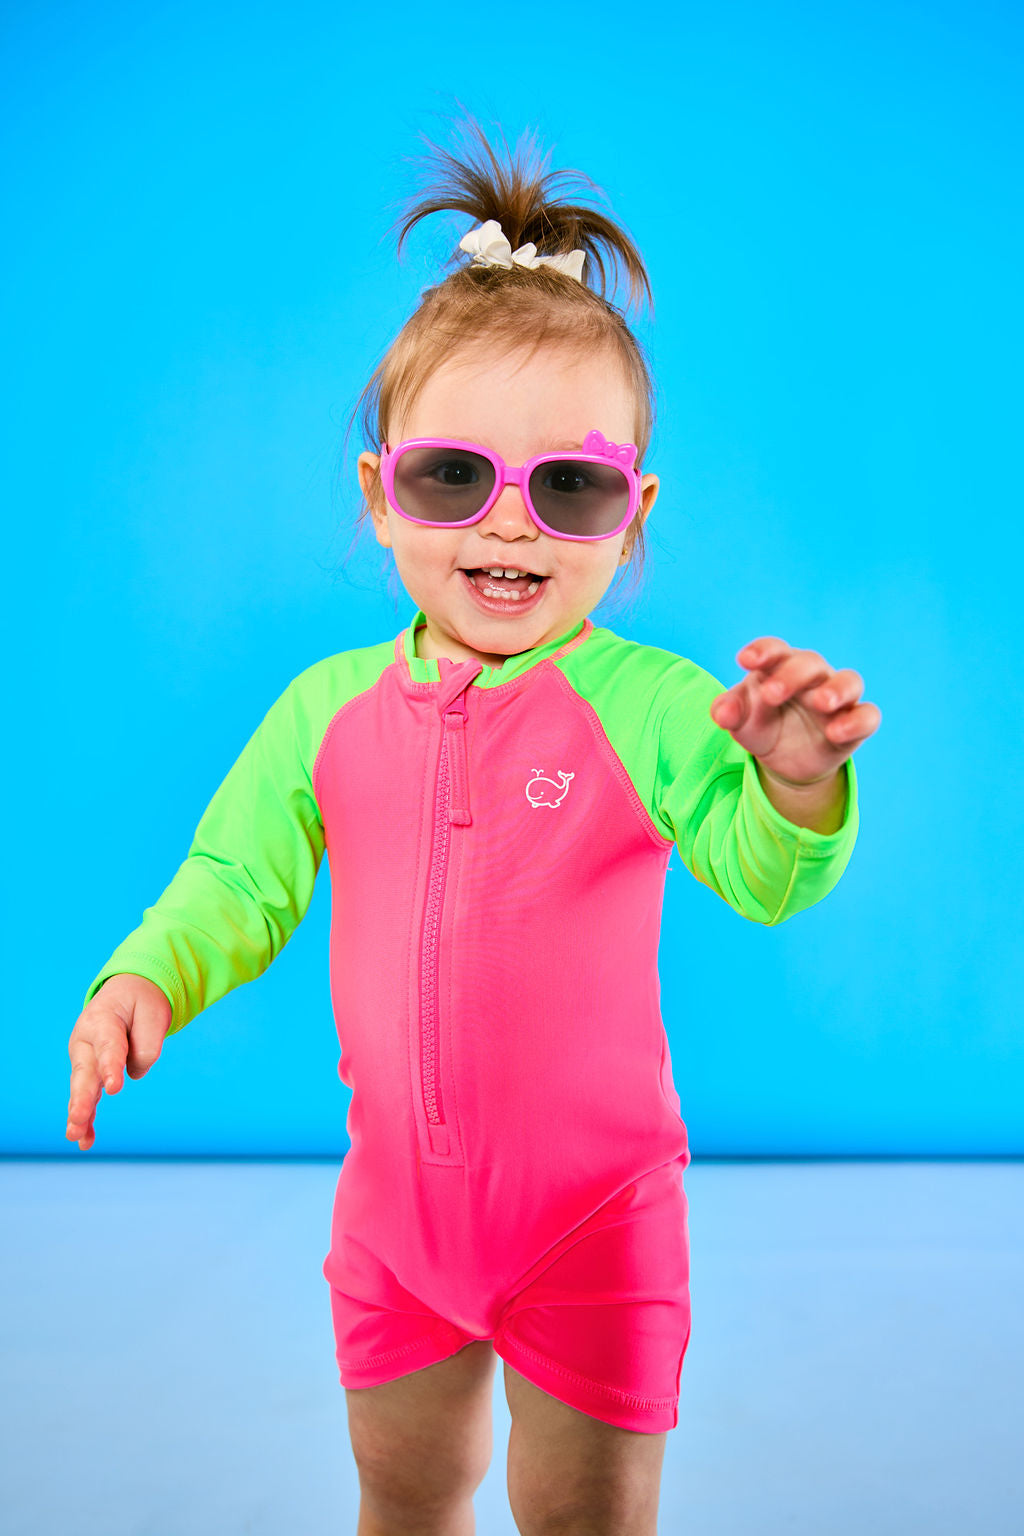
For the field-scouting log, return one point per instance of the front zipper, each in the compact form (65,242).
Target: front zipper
(451,804)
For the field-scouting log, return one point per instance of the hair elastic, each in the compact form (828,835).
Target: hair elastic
(491,248)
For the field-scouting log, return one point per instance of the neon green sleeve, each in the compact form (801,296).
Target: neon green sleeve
(249,874)
(699,786)
(709,799)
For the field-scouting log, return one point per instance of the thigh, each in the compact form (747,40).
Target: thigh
(419,1391)
(569,1470)
(425,1439)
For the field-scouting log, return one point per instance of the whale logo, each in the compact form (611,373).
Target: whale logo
(543,791)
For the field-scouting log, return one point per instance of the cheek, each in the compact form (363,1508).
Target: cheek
(601,571)
(425,552)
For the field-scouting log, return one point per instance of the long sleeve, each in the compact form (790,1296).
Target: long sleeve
(248,877)
(729,835)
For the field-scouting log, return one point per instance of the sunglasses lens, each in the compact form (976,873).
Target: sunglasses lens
(578,498)
(442,485)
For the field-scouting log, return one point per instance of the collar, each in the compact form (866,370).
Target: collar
(424,669)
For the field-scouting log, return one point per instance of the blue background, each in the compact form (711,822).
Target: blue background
(198,281)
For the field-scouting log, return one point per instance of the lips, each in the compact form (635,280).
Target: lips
(506,607)
(477,570)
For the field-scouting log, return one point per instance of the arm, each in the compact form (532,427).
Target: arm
(798,720)
(821,806)
(247,880)
(730,834)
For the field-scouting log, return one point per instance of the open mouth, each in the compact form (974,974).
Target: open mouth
(504,587)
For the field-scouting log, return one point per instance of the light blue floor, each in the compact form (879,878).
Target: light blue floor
(856,1364)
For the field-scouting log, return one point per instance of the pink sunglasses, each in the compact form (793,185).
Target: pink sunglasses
(440,482)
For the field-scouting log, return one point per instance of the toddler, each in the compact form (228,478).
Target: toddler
(498,789)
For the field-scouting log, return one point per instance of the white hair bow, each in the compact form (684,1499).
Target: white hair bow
(491,248)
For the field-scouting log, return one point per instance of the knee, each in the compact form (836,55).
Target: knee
(390,1518)
(398,1484)
(551,1514)
(405,1473)
(422,1443)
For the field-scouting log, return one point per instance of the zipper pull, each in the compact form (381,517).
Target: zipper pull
(458,767)
(455,680)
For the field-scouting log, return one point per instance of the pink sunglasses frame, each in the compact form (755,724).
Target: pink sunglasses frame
(596,450)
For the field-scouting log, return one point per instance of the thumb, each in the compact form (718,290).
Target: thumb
(727,710)
(147,1029)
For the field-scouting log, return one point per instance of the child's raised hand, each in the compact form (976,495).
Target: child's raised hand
(797,715)
(121,1029)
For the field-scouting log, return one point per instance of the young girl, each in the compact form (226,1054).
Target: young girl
(499,789)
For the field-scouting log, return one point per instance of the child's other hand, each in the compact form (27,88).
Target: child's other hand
(121,1029)
(797,715)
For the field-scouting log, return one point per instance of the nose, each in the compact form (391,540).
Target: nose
(510,517)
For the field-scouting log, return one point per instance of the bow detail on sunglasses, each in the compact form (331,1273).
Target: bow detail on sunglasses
(596,442)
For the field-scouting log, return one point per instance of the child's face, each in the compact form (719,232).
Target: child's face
(518,409)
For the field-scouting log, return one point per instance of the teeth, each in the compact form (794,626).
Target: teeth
(503,592)
(512,597)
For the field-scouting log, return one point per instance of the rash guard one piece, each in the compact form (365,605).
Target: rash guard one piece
(498,841)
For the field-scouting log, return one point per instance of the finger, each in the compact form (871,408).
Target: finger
(80,1123)
(111,1050)
(82,1114)
(83,1131)
(96,1061)
(841,688)
(854,725)
(150,1023)
(731,708)
(766,651)
(799,671)
(85,1087)
(97,1048)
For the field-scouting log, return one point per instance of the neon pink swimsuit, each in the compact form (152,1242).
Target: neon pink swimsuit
(498,842)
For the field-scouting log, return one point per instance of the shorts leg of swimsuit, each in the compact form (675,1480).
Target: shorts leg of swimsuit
(384,1331)
(605,1327)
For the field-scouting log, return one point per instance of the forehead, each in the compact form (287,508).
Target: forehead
(516,403)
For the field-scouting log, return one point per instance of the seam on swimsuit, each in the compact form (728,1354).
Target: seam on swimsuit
(368,1361)
(629,1399)
(620,772)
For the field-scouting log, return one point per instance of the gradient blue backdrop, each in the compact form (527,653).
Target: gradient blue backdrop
(196,285)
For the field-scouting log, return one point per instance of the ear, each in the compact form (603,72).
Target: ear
(368,469)
(649,487)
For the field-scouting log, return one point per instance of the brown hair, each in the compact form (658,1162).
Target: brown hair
(510,307)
